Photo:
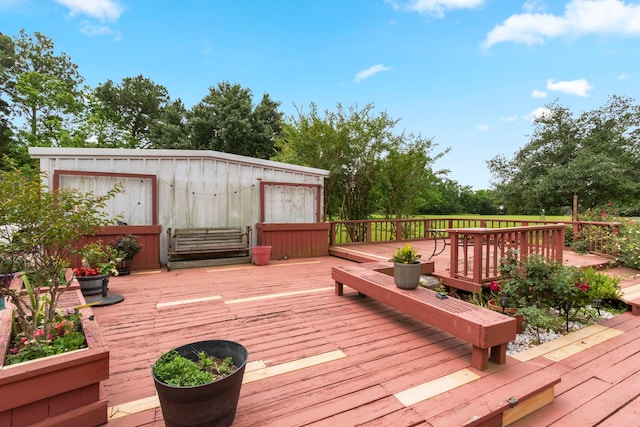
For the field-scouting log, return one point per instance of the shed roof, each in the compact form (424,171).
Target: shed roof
(94,153)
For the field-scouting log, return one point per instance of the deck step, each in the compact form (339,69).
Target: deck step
(631,297)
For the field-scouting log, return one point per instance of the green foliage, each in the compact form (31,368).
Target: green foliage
(44,92)
(173,369)
(128,245)
(226,120)
(103,258)
(371,169)
(43,226)
(406,255)
(593,156)
(125,113)
(66,335)
(535,281)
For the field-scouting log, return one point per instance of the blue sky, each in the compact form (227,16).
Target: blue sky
(468,73)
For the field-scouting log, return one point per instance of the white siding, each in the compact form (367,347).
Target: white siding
(195,188)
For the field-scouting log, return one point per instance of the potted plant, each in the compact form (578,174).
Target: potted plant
(98,263)
(45,228)
(129,246)
(199,383)
(406,269)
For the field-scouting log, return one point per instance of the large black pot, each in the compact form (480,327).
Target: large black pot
(93,285)
(212,404)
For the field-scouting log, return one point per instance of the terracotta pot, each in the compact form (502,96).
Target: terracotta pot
(406,276)
(213,404)
(261,255)
(495,306)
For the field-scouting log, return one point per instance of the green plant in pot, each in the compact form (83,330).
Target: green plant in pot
(45,226)
(198,384)
(129,246)
(407,268)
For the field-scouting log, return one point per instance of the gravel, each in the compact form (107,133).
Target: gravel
(529,337)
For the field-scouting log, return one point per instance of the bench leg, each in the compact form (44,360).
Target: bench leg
(499,354)
(480,358)
(339,289)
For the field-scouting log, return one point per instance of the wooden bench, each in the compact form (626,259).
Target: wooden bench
(487,331)
(196,244)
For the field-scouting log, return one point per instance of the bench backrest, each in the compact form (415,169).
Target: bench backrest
(202,239)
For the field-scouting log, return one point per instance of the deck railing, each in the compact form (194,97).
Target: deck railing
(477,245)
(476,253)
(597,234)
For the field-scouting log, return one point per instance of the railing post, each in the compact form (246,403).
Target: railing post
(453,256)
(477,258)
(332,233)
(369,228)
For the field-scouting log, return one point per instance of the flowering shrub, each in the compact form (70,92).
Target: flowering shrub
(541,289)
(98,258)
(65,335)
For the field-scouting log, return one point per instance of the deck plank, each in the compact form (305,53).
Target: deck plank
(386,351)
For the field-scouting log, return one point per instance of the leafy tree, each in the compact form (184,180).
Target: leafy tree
(43,227)
(226,120)
(365,159)
(170,131)
(130,110)
(406,181)
(43,91)
(595,156)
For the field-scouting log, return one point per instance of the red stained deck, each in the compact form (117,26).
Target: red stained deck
(359,353)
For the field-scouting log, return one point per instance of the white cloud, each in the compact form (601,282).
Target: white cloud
(509,118)
(537,113)
(94,30)
(482,128)
(365,74)
(623,76)
(580,17)
(434,7)
(578,87)
(538,94)
(105,10)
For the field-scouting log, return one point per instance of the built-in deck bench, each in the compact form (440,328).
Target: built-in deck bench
(197,246)
(487,331)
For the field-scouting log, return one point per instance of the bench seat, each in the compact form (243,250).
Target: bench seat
(487,331)
(202,243)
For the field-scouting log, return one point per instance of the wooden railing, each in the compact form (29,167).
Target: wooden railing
(597,234)
(476,252)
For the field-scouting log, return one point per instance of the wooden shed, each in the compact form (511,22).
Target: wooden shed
(281,203)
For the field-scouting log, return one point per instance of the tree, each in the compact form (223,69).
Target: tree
(170,130)
(43,90)
(365,159)
(595,156)
(43,227)
(226,120)
(406,180)
(130,109)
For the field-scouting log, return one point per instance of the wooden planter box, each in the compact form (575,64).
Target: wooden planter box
(58,390)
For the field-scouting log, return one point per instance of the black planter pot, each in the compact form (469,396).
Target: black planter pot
(212,404)
(124,267)
(93,285)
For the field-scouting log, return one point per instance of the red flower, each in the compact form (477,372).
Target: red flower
(83,271)
(495,286)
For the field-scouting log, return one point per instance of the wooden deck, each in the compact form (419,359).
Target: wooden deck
(319,359)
